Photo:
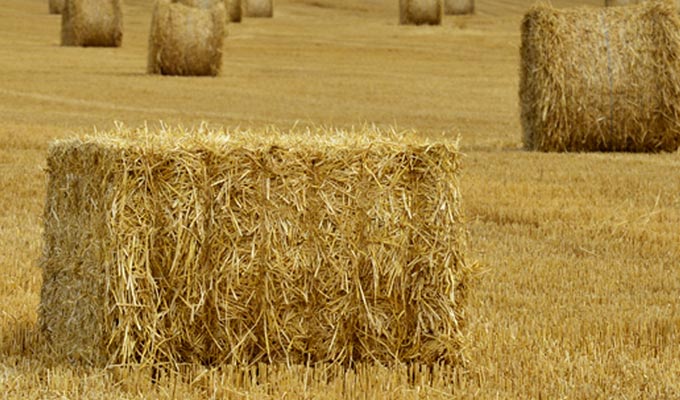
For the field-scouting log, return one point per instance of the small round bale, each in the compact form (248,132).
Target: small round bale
(419,12)
(258,8)
(234,10)
(92,23)
(186,40)
(56,6)
(459,7)
(603,79)
(233,7)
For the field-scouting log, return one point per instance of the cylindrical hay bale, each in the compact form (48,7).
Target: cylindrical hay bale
(186,40)
(56,6)
(233,7)
(459,7)
(234,10)
(258,8)
(601,79)
(216,248)
(419,12)
(92,23)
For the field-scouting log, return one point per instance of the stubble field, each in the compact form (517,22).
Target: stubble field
(580,253)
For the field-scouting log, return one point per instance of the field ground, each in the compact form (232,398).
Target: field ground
(580,296)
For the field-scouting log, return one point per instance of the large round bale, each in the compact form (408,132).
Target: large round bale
(258,8)
(419,12)
(459,7)
(174,248)
(601,79)
(92,23)
(233,7)
(186,40)
(56,6)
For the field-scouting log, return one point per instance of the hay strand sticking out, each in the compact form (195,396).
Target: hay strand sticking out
(56,6)
(459,7)
(258,8)
(419,12)
(92,23)
(239,247)
(611,3)
(601,79)
(186,40)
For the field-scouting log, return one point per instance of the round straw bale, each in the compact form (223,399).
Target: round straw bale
(258,8)
(56,6)
(92,23)
(459,7)
(186,40)
(233,7)
(418,12)
(601,79)
(234,10)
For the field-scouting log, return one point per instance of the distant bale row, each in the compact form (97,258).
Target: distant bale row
(92,23)
(601,79)
(169,248)
(419,12)
(186,40)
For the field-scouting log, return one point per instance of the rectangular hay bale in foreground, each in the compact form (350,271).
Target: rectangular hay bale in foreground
(215,248)
(605,79)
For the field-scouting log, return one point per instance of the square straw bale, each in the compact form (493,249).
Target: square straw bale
(605,79)
(220,248)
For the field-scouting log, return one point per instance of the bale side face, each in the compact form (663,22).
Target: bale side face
(56,6)
(242,250)
(186,40)
(601,80)
(258,8)
(92,23)
(419,12)
(459,7)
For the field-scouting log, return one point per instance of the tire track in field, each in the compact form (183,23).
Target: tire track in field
(101,105)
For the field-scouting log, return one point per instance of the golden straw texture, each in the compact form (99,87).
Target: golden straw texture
(92,23)
(419,12)
(219,248)
(258,8)
(601,79)
(458,7)
(186,40)
(56,6)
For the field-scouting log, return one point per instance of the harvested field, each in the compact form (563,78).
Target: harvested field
(579,293)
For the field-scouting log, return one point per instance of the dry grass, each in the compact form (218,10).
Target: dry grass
(580,298)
